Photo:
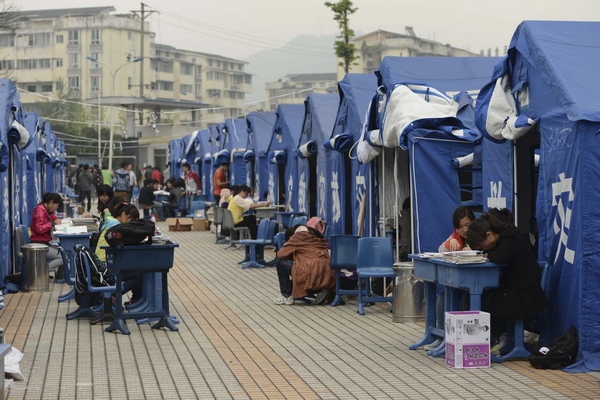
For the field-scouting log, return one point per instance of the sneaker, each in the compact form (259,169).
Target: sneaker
(498,345)
(287,301)
(434,345)
(321,296)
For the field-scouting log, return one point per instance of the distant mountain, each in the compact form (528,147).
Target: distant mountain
(296,57)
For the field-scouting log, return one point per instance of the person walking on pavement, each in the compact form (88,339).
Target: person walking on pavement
(220,179)
(192,186)
(85,182)
(121,181)
(132,182)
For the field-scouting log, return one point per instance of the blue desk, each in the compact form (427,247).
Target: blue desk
(146,259)
(162,197)
(472,277)
(68,241)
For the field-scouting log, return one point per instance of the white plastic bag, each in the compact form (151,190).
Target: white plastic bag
(12,365)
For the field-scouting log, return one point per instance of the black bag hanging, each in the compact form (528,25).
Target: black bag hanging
(561,354)
(130,233)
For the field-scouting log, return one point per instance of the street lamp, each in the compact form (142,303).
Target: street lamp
(112,93)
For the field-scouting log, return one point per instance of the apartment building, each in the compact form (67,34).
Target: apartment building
(374,46)
(294,88)
(106,58)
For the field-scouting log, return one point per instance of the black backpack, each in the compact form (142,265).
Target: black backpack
(561,354)
(100,276)
(130,233)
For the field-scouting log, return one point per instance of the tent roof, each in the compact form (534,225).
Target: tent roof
(322,110)
(261,125)
(567,56)
(237,133)
(358,91)
(448,74)
(289,123)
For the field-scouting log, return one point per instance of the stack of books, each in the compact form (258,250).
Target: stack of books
(464,257)
(90,223)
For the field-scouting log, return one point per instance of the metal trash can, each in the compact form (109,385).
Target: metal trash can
(36,267)
(409,294)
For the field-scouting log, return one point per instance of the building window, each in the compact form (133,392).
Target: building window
(31,88)
(177,55)
(218,64)
(248,79)
(186,89)
(157,53)
(130,35)
(74,82)
(164,85)
(198,89)
(58,62)
(47,88)
(7,40)
(210,63)
(73,37)
(96,64)
(40,39)
(59,39)
(186,69)
(214,93)
(240,67)
(95,83)
(7,65)
(96,36)
(59,85)
(74,60)
(162,66)
(34,63)
(215,75)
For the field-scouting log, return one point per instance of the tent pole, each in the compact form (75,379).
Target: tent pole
(397,150)
(382,218)
(515,202)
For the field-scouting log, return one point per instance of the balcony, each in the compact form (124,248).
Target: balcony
(95,48)
(73,48)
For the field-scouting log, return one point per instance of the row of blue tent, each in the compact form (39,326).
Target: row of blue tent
(519,131)
(32,162)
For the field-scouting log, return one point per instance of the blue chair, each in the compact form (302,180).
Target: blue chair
(72,196)
(344,251)
(25,230)
(279,240)
(235,234)
(299,221)
(255,248)
(375,260)
(516,328)
(195,205)
(135,194)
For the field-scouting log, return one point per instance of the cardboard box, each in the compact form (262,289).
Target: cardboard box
(199,224)
(467,339)
(179,224)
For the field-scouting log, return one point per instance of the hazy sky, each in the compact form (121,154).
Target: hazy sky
(239,28)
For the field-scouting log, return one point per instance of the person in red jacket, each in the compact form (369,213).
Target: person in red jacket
(193,186)
(43,220)
(157,175)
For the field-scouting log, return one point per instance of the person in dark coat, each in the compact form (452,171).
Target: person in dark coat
(520,294)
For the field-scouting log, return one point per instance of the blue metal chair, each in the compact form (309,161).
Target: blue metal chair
(375,260)
(299,221)
(344,251)
(72,196)
(135,194)
(195,205)
(255,248)
(279,240)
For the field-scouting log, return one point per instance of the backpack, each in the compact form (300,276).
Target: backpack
(121,181)
(561,354)
(130,233)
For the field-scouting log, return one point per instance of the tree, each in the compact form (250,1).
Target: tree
(8,24)
(343,48)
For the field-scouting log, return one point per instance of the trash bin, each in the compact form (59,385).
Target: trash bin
(409,294)
(36,279)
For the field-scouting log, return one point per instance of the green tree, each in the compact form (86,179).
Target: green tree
(343,48)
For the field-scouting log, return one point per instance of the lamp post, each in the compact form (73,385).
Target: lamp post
(112,93)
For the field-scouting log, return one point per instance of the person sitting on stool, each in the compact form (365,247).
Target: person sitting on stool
(240,204)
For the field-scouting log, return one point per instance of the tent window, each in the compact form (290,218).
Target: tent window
(469,179)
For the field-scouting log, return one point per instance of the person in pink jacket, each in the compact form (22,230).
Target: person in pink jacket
(43,220)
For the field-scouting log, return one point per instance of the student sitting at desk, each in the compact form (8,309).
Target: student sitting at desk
(461,219)
(124,212)
(43,220)
(176,189)
(520,294)
(147,199)
(105,195)
(240,204)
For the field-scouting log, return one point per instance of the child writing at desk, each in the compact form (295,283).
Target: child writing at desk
(461,219)
(519,294)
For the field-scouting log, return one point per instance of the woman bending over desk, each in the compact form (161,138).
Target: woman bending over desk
(520,294)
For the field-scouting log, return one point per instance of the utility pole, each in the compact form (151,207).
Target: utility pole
(143,14)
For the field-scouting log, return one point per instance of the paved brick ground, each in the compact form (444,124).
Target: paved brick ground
(234,343)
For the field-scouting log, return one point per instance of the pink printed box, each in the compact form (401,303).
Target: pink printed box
(467,339)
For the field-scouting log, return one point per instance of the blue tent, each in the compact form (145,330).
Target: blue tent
(284,142)
(548,85)
(356,92)
(260,130)
(429,112)
(319,168)
(8,96)
(204,157)
(33,175)
(50,159)
(235,139)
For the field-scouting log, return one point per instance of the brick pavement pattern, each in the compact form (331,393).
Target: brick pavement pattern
(234,343)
